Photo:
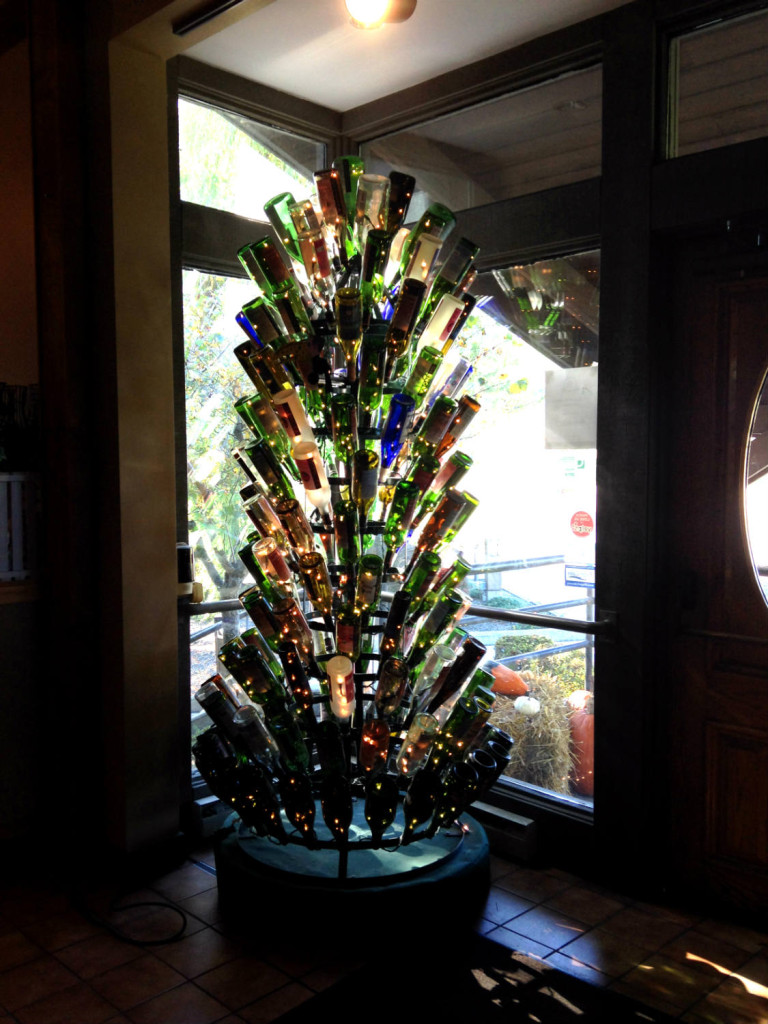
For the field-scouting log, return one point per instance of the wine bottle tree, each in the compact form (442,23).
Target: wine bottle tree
(356,681)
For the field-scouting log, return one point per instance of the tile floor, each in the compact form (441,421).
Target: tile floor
(57,966)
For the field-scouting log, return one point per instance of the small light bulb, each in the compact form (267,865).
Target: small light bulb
(367,13)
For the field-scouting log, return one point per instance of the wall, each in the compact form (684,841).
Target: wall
(20,779)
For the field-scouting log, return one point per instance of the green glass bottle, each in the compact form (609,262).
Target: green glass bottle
(469,504)
(278,214)
(448,476)
(349,631)
(375,257)
(256,740)
(264,265)
(317,583)
(439,523)
(381,798)
(257,412)
(420,802)
(374,745)
(404,499)
(369,572)
(347,531)
(293,626)
(344,426)
(348,305)
(260,612)
(297,528)
(268,467)
(336,805)
(330,748)
(298,684)
(331,197)
(373,361)
(404,316)
(391,637)
(467,409)
(401,188)
(436,220)
(299,803)
(450,275)
(391,686)
(421,575)
(416,744)
(417,385)
(439,619)
(254,675)
(458,792)
(253,637)
(434,426)
(287,734)
(350,167)
(365,478)
(263,317)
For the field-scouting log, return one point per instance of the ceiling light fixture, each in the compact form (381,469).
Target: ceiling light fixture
(373,13)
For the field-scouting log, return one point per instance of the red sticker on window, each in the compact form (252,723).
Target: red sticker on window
(582,524)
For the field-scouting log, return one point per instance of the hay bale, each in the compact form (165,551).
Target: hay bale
(541,754)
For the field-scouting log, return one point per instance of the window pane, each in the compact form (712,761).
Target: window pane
(214,381)
(233,163)
(721,85)
(756,505)
(535,139)
(532,539)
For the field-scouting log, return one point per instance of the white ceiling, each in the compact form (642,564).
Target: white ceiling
(309,48)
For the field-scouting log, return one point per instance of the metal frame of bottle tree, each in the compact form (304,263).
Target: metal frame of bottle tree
(345,346)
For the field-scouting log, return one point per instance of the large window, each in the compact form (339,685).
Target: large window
(719,85)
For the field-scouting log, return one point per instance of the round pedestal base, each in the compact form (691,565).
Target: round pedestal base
(295,891)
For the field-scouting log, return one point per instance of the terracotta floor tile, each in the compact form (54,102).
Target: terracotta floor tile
(533,885)
(96,955)
(674,982)
(78,1005)
(199,952)
(606,952)
(186,1004)
(501,906)
(154,923)
(745,938)
(731,1003)
(649,998)
(16,948)
(568,965)
(643,929)
(185,881)
(519,943)
(276,1003)
(584,904)
(204,905)
(27,902)
(33,981)
(136,981)
(60,930)
(241,981)
(708,949)
(547,926)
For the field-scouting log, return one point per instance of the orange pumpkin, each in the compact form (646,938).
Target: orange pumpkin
(582,722)
(508,682)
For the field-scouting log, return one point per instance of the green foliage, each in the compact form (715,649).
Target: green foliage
(569,668)
(214,381)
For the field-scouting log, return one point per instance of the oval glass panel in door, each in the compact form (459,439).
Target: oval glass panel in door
(756,488)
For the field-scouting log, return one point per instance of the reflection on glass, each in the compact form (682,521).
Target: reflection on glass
(232,163)
(534,139)
(756,486)
(719,77)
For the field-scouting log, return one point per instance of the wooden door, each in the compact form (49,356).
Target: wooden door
(714,672)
